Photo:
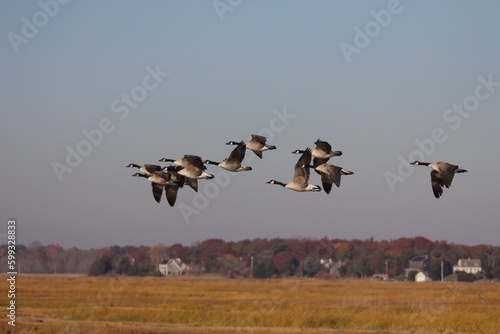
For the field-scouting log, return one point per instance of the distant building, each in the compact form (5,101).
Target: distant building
(331,266)
(470,266)
(420,263)
(422,277)
(172,267)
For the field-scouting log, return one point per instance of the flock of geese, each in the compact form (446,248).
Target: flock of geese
(189,168)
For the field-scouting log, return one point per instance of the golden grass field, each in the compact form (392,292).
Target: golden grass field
(81,304)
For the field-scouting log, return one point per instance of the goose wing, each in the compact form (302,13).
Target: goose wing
(193,183)
(194,161)
(157,191)
(326,182)
(238,153)
(259,139)
(334,173)
(300,167)
(151,168)
(258,153)
(330,174)
(323,145)
(171,193)
(447,171)
(437,183)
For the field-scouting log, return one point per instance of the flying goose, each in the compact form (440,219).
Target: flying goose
(330,174)
(233,162)
(193,167)
(300,181)
(257,145)
(147,169)
(321,153)
(174,172)
(186,160)
(323,150)
(160,180)
(441,175)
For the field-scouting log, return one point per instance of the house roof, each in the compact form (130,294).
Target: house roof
(469,263)
(419,258)
(175,262)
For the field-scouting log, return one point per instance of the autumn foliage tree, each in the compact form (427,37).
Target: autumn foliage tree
(276,257)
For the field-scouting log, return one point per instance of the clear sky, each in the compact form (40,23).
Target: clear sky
(116,82)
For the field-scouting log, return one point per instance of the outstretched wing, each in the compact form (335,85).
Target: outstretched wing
(152,168)
(193,183)
(323,145)
(157,191)
(447,173)
(258,153)
(259,139)
(437,183)
(238,153)
(171,193)
(301,169)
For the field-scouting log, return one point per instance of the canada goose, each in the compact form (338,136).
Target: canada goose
(233,162)
(321,153)
(147,169)
(257,145)
(300,181)
(186,160)
(441,175)
(160,180)
(330,174)
(193,167)
(174,172)
(323,150)
(171,189)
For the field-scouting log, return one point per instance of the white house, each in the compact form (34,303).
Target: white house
(172,267)
(471,266)
(422,277)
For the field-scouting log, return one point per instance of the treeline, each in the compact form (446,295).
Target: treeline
(260,258)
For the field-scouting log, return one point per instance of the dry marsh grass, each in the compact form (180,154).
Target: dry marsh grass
(61,304)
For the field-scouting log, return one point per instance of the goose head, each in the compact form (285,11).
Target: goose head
(417,163)
(298,151)
(133,166)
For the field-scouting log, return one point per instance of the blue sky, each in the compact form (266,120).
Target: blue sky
(166,78)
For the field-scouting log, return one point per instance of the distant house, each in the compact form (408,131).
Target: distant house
(420,263)
(331,266)
(172,267)
(422,277)
(470,266)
